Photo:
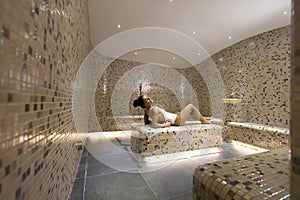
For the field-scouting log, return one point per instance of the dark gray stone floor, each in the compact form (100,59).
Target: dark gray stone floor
(109,170)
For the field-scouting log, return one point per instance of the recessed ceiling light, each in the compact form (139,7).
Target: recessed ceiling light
(198,54)
(284,12)
(194,32)
(119,26)
(171,0)
(135,53)
(174,58)
(229,37)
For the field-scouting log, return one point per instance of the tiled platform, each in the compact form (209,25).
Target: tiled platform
(259,176)
(157,141)
(268,137)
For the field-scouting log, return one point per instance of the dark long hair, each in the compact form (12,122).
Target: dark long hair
(139,102)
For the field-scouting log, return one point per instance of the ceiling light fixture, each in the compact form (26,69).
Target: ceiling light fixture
(284,12)
(194,32)
(174,58)
(171,0)
(229,37)
(119,26)
(198,54)
(135,53)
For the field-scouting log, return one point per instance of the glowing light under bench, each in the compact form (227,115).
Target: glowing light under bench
(178,156)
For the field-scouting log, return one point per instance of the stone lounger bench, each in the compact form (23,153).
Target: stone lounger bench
(258,176)
(148,141)
(264,136)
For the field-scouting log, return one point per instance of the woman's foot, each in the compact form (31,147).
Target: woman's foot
(205,120)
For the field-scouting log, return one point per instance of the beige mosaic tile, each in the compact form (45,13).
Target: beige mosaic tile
(149,141)
(264,136)
(256,71)
(38,61)
(258,176)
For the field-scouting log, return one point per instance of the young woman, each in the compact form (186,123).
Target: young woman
(161,118)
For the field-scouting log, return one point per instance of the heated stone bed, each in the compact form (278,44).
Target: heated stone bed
(149,141)
(264,136)
(259,176)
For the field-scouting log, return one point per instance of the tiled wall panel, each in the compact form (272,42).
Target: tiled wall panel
(257,71)
(42,44)
(295,103)
(159,93)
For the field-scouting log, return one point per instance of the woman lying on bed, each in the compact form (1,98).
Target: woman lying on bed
(160,118)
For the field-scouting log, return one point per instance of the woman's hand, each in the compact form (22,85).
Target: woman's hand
(167,124)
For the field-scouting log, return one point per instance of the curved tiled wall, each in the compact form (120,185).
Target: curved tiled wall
(159,93)
(42,44)
(255,70)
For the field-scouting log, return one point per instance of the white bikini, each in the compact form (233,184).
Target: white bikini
(167,115)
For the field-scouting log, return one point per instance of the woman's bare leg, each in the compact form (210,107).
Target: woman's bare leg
(190,111)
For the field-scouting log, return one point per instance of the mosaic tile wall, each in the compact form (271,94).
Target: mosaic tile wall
(259,176)
(257,70)
(295,103)
(42,44)
(159,93)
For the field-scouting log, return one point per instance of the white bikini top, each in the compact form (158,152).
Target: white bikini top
(167,115)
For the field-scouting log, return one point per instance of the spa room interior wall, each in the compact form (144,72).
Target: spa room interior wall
(255,72)
(295,103)
(159,93)
(42,45)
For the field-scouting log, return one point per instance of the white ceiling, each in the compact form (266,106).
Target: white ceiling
(212,20)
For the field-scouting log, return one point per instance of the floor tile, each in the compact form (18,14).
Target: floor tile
(113,172)
(76,198)
(78,188)
(95,167)
(121,161)
(182,196)
(82,167)
(170,181)
(192,163)
(118,186)
(103,146)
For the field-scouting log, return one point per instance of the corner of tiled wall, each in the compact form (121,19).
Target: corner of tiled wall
(42,44)
(295,103)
